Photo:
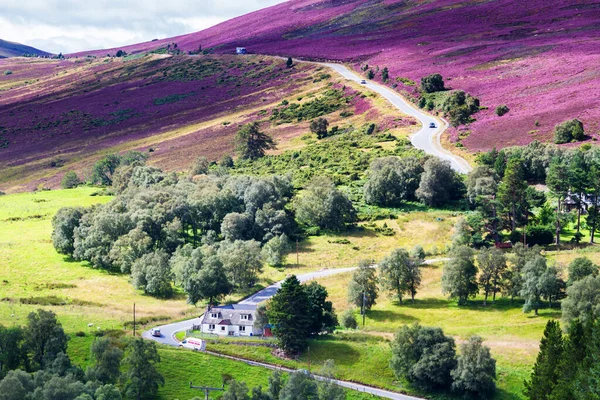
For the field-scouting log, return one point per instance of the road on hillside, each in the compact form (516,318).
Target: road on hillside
(169,331)
(426,139)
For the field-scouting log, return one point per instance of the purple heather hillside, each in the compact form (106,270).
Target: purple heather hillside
(539,57)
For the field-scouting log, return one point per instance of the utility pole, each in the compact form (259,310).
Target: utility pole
(206,389)
(363,309)
(308,358)
(297,255)
(134,319)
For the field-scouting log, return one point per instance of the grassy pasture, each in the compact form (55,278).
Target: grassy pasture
(364,356)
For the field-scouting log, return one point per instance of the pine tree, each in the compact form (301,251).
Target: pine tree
(288,312)
(512,191)
(571,362)
(251,143)
(558,181)
(545,374)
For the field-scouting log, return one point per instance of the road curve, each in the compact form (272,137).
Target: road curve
(426,139)
(169,331)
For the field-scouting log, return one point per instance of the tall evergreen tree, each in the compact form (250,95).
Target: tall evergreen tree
(570,364)
(288,312)
(142,379)
(557,180)
(512,191)
(545,374)
(578,181)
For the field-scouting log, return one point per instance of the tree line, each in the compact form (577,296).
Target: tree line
(34,365)
(207,234)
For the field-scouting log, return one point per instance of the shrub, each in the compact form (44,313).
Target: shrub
(8,72)
(569,131)
(540,235)
(459,107)
(349,320)
(70,180)
(432,83)
(370,74)
(502,109)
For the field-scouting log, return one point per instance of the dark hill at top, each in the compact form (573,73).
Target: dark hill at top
(11,49)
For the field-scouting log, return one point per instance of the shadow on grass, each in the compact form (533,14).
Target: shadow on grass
(390,315)
(342,353)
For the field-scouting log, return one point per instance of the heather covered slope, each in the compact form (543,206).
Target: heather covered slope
(541,58)
(60,115)
(11,49)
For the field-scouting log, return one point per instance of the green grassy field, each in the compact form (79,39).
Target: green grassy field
(32,271)
(364,356)
(179,367)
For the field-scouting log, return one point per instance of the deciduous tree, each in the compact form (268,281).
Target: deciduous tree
(460,275)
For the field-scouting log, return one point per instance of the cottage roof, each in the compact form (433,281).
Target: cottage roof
(231,314)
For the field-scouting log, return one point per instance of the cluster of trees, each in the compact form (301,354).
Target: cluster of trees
(427,358)
(298,312)
(568,365)
(458,106)
(393,180)
(399,273)
(502,198)
(299,385)
(34,365)
(527,276)
(162,229)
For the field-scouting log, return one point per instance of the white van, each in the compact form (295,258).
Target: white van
(194,344)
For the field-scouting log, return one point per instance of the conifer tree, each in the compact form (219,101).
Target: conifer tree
(545,374)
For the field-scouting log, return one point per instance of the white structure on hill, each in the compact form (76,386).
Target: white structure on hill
(231,320)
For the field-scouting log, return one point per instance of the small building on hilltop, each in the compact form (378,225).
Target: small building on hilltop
(240,50)
(231,320)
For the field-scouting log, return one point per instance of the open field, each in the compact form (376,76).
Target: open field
(364,356)
(32,271)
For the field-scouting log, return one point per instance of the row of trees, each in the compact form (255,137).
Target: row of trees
(298,386)
(34,365)
(427,358)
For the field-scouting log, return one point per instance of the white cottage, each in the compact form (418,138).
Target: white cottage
(231,320)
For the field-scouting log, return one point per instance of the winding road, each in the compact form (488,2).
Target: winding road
(426,139)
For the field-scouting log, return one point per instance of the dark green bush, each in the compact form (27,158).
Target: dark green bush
(502,109)
(568,131)
(432,83)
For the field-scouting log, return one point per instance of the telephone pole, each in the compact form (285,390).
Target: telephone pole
(206,389)
(297,254)
(363,309)
(134,319)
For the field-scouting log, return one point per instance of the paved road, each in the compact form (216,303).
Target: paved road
(168,331)
(426,139)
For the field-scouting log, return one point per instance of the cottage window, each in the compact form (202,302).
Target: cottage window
(222,328)
(242,328)
(211,327)
(214,315)
(245,317)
